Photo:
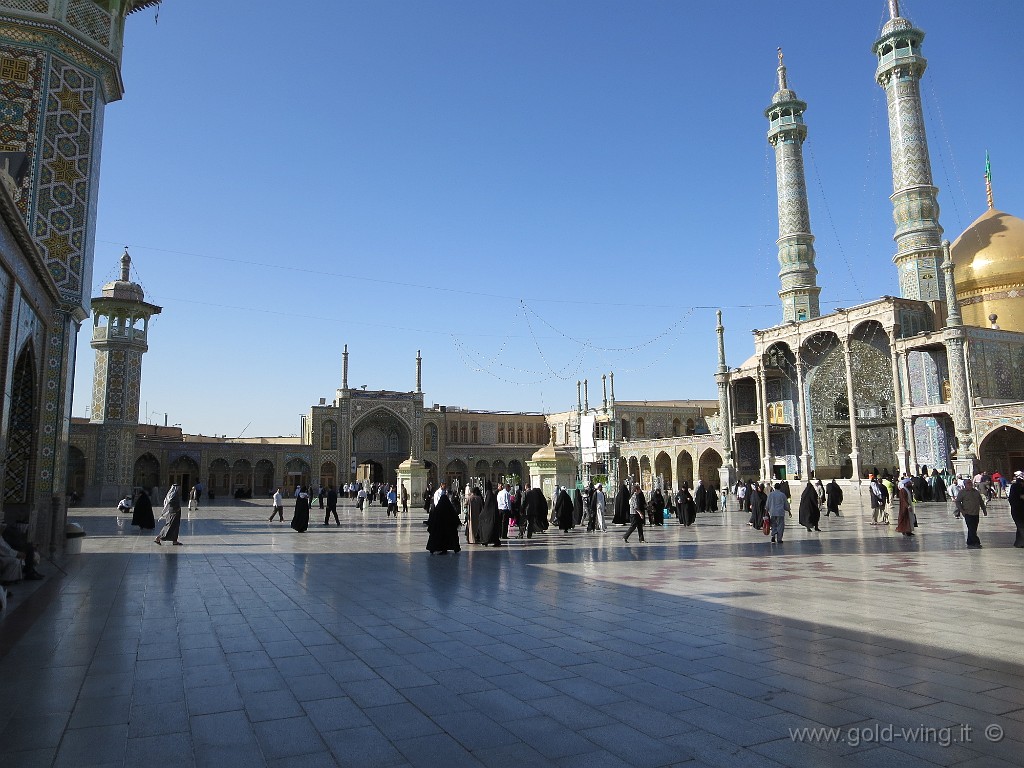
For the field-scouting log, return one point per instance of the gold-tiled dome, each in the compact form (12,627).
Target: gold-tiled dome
(989,260)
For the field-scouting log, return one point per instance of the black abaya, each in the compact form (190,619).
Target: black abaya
(300,520)
(810,512)
(564,511)
(142,513)
(621,506)
(443,527)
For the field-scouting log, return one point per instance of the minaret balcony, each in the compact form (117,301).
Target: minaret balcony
(115,333)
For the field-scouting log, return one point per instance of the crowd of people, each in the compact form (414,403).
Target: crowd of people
(485,515)
(769,505)
(488,515)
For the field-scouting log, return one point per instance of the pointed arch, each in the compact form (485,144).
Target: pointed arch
(20,456)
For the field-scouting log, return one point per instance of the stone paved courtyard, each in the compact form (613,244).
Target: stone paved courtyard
(253,645)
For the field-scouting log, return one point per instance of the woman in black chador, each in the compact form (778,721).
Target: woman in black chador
(686,508)
(700,497)
(810,512)
(564,511)
(490,519)
(443,527)
(577,508)
(656,509)
(621,506)
(300,520)
(142,513)
(756,500)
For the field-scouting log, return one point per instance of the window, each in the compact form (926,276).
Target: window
(529,434)
(473,435)
(455,433)
(501,432)
(519,434)
(430,437)
(464,433)
(689,426)
(329,436)
(641,428)
(676,427)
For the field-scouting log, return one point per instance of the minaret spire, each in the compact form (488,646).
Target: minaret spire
(914,197)
(344,368)
(126,263)
(786,133)
(419,372)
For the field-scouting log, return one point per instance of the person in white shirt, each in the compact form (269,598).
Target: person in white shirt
(441,490)
(504,509)
(278,506)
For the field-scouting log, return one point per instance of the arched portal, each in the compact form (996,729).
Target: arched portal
(634,470)
(684,469)
(623,469)
(19,460)
(645,472)
(515,472)
(710,461)
(146,474)
(296,472)
(328,474)
(456,470)
(663,469)
(264,478)
(382,437)
(498,472)
(1003,449)
(185,472)
(76,473)
(482,471)
(219,478)
(241,476)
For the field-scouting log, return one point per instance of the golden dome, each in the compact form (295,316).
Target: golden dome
(989,260)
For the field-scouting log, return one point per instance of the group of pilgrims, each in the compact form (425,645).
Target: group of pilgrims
(485,516)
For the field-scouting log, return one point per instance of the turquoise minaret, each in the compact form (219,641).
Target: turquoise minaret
(914,198)
(786,132)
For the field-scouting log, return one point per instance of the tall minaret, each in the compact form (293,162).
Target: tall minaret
(786,132)
(120,333)
(60,66)
(914,199)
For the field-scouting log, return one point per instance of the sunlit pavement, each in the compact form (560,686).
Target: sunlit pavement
(255,645)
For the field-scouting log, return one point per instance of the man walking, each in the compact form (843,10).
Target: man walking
(278,506)
(969,503)
(637,503)
(505,509)
(332,506)
(405,500)
(777,507)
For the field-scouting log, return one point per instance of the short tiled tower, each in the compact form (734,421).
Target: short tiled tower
(120,333)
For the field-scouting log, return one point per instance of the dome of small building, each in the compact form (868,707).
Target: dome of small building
(989,275)
(124,288)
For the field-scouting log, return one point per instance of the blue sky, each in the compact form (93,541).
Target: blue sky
(530,192)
